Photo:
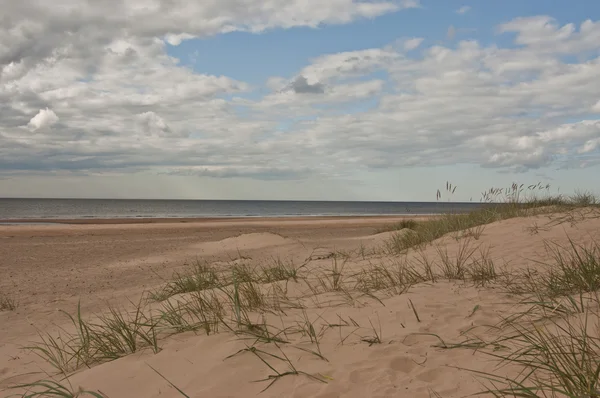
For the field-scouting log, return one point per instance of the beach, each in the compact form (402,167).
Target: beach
(99,257)
(367,336)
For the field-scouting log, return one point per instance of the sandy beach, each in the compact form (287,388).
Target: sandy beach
(368,338)
(101,257)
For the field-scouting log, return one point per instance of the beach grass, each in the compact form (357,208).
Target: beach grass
(496,205)
(7,303)
(560,358)
(52,388)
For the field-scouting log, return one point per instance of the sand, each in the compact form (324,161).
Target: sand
(50,268)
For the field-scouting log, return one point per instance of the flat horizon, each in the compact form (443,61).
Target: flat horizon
(240,200)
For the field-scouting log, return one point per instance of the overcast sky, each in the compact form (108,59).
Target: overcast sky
(297,99)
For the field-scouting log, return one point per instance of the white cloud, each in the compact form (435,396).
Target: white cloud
(44,118)
(463,10)
(411,44)
(504,108)
(353,63)
(149,123)
(125,106)
(544,35)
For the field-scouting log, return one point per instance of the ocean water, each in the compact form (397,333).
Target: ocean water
(125,208)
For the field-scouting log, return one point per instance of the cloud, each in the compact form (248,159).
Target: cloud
(126,106)
(504,108)
(463,10)
(149,123)
(544,35)
(410,4)
(413,43)
(330,67)
(44,118)
(300,85)
(256,172)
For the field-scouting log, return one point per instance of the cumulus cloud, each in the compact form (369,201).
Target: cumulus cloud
(126,106)
(504,108)
(44,118)
(543,34)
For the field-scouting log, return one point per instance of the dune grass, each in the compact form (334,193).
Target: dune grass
(203,277)
(7,303)
(110,336)
(560,358)
(556,342)
(496,205)
(51,388)
(398,226)
(575,270)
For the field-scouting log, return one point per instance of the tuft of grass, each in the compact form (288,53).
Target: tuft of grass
(119,333)
(575,269)
(562,359)
(51,388)
(396,279)
(455,268)
(482,270)
(111,336)
(279,271)
(62,352)
(244,273)
(198,277)
(176,316)
(207,310)
(307,328)
(7,303)
(332,279)
(398,226)
(474,232)
(376,337)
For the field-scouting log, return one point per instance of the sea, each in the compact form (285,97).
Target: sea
(48,209)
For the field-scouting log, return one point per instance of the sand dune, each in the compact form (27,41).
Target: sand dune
(242,242)
(390,342)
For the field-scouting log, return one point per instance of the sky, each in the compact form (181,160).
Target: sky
(382,100)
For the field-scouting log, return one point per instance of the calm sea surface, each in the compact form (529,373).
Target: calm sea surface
(120,208)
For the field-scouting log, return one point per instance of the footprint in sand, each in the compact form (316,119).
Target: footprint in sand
(361,374)
(429,376)
(403,364)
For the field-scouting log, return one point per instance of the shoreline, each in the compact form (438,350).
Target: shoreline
(202,220)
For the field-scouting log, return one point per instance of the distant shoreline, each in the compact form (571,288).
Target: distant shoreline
(127,212)
(181,220)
